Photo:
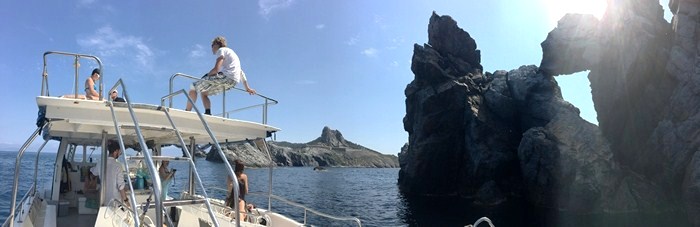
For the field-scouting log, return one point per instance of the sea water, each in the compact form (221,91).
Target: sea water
(369,194)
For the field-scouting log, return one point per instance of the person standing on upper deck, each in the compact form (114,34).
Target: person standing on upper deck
(226,74)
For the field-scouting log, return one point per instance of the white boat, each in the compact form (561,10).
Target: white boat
(78,123)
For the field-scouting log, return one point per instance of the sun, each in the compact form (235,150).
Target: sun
(558,8)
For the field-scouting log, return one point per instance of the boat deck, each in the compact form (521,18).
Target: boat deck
(75,219)
(84,121)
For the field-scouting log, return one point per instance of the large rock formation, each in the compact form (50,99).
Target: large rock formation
(494,135)
(331,149)
(645,83)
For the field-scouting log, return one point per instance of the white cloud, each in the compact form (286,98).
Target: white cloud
(305,82)
(379,21)
(109,43)
(396,42)
(269,6)
(353,41)
(197,51)
(370,52)
(320,26)
(394,64)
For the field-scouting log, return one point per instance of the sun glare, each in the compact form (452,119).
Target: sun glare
(558,8)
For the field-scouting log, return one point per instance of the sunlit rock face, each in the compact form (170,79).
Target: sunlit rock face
(489,136)
(645,81)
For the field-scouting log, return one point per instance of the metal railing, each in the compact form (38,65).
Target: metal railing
(306,209)
(187,152)
(15,184)
(45,73)
(216,144)
(268,101)
(144,148)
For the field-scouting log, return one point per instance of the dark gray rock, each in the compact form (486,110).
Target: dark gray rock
(456,143)
(492,136)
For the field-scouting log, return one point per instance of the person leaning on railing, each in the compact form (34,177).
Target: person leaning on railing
(226,74)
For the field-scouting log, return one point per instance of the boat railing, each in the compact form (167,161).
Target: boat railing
(15,185)
(267,101)
(157,184)
(20,208)
(144,148)
(76,65)
(189,153)
(305,208)
(15,188)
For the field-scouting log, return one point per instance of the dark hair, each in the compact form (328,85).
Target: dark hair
(239,166)
(112,146)
(96,70)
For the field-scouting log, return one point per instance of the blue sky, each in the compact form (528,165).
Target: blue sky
(343,63)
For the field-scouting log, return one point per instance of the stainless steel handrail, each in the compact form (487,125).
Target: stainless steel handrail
(189,156)
(356,220)
(216,144)
(268,101)
(15,184)
(261,144)
(21,201)
(126,163)
(144,148)
(36,164)
(45,74)
(281,199)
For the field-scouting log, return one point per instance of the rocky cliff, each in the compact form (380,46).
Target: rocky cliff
(492,136)
(330,149)
(645,81)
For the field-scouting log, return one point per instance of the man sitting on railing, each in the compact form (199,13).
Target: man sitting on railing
(226,74)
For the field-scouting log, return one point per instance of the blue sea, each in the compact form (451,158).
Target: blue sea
(369,194)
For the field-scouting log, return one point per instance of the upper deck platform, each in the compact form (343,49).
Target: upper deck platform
(84,121)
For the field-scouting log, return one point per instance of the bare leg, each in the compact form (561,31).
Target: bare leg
(193,96)
(205,100)
(241,208)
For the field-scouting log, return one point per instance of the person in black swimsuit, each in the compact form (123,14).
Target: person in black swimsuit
(242,186)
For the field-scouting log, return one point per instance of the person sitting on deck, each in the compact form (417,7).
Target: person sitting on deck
(226,74)
(114,95)
(242,189)
(91,87)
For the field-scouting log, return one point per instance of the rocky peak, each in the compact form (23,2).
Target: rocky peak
(451,41)
(329,137)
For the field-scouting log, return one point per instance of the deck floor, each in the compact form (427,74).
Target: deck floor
(75,219)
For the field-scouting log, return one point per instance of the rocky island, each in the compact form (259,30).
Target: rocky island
(509,134)
(330,150)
